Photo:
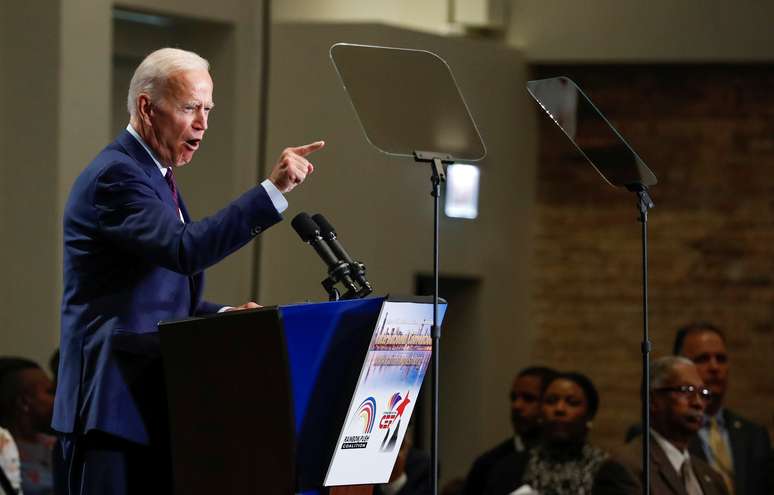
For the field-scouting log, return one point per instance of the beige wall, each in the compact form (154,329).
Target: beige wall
(426,15)
(631,31)
(382,210)
(589,31)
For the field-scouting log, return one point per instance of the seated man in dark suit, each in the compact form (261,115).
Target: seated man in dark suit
(134,257)
(736,447)
(678,398)
(526,392)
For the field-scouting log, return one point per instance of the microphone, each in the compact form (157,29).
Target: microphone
(357,269)
(329,234)
(338,270)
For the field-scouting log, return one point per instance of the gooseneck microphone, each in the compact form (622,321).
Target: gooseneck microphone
(357,269)
(338,270)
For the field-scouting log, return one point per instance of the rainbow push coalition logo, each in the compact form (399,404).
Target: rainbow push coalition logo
(363,423)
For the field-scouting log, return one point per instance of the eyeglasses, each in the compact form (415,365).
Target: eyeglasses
(688,391)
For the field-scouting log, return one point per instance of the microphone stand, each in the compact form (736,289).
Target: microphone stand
(436,161)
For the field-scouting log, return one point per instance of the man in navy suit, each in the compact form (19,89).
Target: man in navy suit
(736,447)
(133,257)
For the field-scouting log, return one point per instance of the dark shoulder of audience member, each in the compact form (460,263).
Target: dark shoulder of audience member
(525,394)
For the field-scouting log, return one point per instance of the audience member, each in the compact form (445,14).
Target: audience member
(26,404)
(678,398)
(525,396)
(737,448)
(563,463)
(411,473)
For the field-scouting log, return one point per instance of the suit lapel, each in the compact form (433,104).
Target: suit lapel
(737,440)
(194,281)
(696,448)
(665,470)
(134,149)
(708,487)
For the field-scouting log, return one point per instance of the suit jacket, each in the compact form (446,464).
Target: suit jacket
(507,474)
(478,476)
(750,451)
(129,263)
(622,474)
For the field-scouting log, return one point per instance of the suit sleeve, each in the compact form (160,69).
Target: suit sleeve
(131,215)
(207,308)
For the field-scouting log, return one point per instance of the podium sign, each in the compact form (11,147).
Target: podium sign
(389,384)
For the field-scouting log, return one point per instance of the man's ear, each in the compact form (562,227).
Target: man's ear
(145,109)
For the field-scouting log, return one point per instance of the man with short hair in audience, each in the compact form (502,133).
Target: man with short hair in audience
(736,447)
(677,401)
(526,392)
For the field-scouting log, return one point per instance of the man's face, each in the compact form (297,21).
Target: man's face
(525,403)
(38,396)
(708,352)
(678,415)
(178,120)
(565,412)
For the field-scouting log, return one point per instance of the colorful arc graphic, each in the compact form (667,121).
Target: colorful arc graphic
(367,413)
(394,400)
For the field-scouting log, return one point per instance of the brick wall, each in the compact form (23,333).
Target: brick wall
(708,134)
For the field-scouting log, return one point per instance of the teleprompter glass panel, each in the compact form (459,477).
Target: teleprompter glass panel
(407,100)
(593,135)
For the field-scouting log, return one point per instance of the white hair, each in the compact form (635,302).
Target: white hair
(663,368)
(152,74)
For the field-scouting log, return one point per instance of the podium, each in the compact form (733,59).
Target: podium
(286,399)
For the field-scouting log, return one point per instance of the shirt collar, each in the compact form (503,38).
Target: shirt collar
(518,443)
(140,140)
(675,456)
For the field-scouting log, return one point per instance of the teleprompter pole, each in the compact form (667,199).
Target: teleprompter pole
(436,161)
(644,203)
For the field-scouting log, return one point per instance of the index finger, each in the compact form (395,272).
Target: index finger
(308,149)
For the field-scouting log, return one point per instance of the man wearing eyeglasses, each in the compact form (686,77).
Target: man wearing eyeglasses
(678,398)
(736,447)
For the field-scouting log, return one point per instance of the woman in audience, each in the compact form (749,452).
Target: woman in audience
(564,463)
(26,405)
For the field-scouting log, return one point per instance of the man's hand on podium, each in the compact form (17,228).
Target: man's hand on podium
(247,305)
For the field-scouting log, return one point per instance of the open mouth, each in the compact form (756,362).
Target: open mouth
(694,419)
(193,144)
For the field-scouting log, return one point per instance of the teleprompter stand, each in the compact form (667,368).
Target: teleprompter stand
(409,106)
(620,166)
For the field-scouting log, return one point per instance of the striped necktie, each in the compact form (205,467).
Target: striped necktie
(721,457)
(692,486)
(170,178)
